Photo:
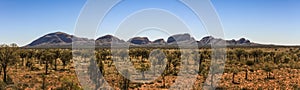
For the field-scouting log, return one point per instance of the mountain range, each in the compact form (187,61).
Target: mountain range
(61,39)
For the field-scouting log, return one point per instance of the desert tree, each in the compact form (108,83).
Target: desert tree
(173,59)
(84,54)
(239,53)
(38,55)
(125,84)
(157,59)
(65,56)
(170,58)
(98,55)
(177,53)
(144,53)
(143,67)
(94,73)
(163,76)
(27,56)
(102,56)
(57,55)
(154,60)
(201,67)
(287,59)
(8,56)
(272,55)
(30,56)
(23,55)
(234,72)
(256,54)
(44,82)
(206,54)
(123,54)
(47,57)
(249,64)
(278,57)
(268,69)
(294,57)
(132,53)
(101,66)
(198,57)
(138,52)
(68,84)
(176,62)
(31,53)
(298,56)
(230,55)
(247,55)
(214,70)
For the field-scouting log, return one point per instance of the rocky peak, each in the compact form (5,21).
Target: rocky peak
(207,39)
(108,39)
(56,39)
(243,41)
(139,40)
(159,41)
(53,38)
(180,38)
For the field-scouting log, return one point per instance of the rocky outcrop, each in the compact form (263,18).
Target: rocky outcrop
(59,39)
(55,39)
(139,40)
(108,40)
(180,38)
(211,40)
(159,42)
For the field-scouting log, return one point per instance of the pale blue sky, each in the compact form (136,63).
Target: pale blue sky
(262,21)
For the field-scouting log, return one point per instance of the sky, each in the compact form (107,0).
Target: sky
(260,21)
